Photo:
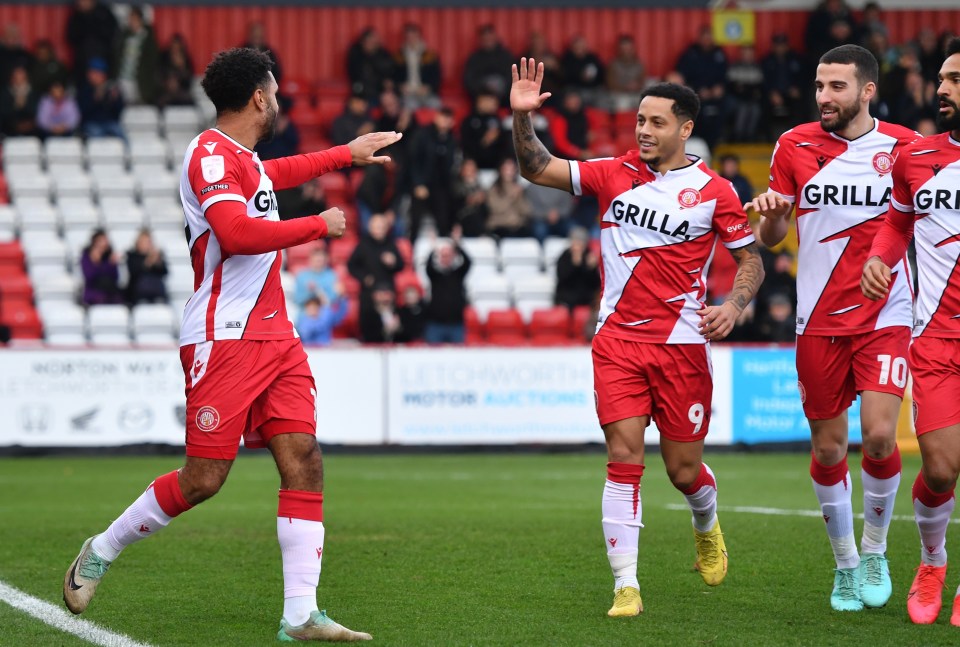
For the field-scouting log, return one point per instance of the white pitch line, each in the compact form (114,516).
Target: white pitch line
(58,618)
(781,512)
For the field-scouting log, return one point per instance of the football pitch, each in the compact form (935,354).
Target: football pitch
(453,549)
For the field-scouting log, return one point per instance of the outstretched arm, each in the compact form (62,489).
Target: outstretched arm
(535,161)
(717,321)
(287,172)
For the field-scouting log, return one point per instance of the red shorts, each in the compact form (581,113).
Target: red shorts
(671,383)
(833,370)
(253,389)
(936,383)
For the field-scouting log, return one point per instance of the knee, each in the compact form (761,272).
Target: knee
(879,440)
(829,452)
(200,487)
(940,474)
(684,475)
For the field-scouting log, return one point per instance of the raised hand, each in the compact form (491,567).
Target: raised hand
(336,222)
(525,91)
(363,147)
(770,205)
(875,280)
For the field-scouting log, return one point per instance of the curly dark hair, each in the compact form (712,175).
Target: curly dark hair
(234,75)
(952,47)
(686,104)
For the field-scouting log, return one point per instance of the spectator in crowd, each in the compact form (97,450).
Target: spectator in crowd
(469,201)
(47,68)
(447,268)
(918,101)
(307,200)
(783,82)
(626,75)
(101,102)
(14,54)
(394,116)
(488,67)
(377,192)
(578,272)
(823,29)
(745,327)
(257,39)
(583,71)
(101,271)
(777,323)
(417,70)
(539,50)
(886,56)
(871,24)
(147,269)
(927,127)
(354,121)
(370,67)
(376,258)
(704,67)
(745,88)
(413,314)
(18,105)
(286,137)
(317,279)
(176,74)
(380,321)
(58,114)
(549,211)
(929,54)
(321,314)
(137,60)
(481,134)
(570,129)
(780,278)
(433,159)
(894,83)
(508,209)
(91,32)
(730,170)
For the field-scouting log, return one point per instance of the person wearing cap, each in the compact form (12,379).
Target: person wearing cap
(100,102)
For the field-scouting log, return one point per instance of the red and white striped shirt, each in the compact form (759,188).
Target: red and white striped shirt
(235,234)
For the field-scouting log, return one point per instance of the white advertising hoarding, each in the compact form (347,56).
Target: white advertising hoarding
(350,395)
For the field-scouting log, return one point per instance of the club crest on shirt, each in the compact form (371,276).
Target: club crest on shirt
(688,198)
(883,163)
(212,168)
(208,419)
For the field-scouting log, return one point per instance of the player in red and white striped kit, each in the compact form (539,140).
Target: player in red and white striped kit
(661,213)
(836,173)
(926,207)
(245,369)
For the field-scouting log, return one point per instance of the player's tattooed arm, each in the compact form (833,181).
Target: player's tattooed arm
(532,156)
(749,275)
(716,322)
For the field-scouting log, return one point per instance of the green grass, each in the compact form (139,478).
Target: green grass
(449,550)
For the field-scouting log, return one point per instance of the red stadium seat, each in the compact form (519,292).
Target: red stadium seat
(349,328)
(11,254)
(598,120)
(578,322)
(550,327)
(340,249)
(404,280)
(299,256)
(474,327)
(329,108)
(424,116)
(22,320)
(300,90)
(337,188)
(505,328)
(16,288)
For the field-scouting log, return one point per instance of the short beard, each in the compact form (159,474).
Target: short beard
(945,123)
(270,127)
(844,116)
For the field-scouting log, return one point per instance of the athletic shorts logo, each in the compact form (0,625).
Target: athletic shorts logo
(803,392)
(208,419)
(883,163)
(689,198)
(212,168)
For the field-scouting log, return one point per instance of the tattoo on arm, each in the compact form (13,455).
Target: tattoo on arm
(749,275)
(532,155)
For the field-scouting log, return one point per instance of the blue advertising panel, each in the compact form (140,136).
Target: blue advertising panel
(766,401)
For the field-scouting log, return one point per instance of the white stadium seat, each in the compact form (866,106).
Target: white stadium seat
(121,186)
(63,150)
(527,306)
(72,185)
(9,219)
(482,251)
(106,150)
(106,171)
(120,211)
(107,322)
(37,215)
(140,120)
(18,151)
(484,306)
(535,286)
(153,318)
(62,318)
(158,185)
(519,272)
(181,119)
(61,288)
(149,150)
(520,251)
(492,286)
(553,247)
(29,186)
